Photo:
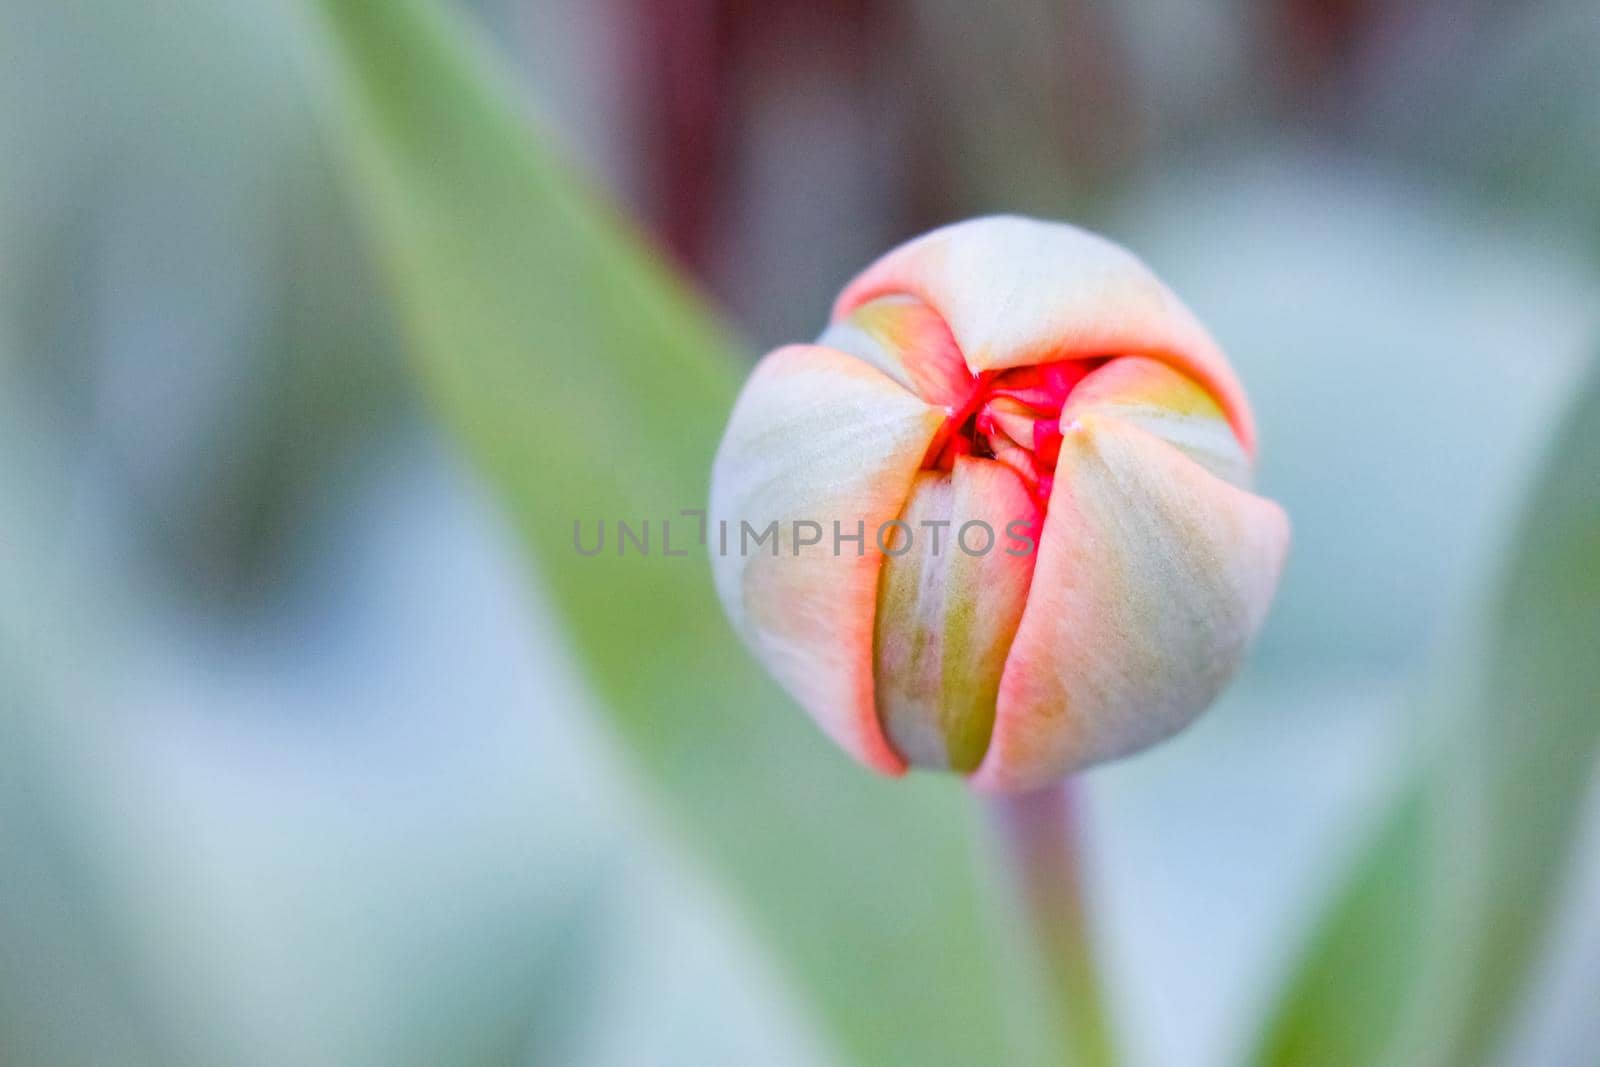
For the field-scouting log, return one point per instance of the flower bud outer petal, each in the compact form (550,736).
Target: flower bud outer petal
(1152,579)
(949,602)
(1152,396)
(818,436)
(908,341)
(1016,291)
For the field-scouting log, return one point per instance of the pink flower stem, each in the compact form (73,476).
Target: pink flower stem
(1039,835)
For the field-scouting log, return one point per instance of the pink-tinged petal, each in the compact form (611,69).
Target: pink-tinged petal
(949,600)
(1152,396)
(1016,292)
(817,436)
(1153,577)
(908,341)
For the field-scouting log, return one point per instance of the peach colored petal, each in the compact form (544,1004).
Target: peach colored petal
(949,600)
(1153,577)
(908,341)
(1152,396)
(1016,291)
(816,436)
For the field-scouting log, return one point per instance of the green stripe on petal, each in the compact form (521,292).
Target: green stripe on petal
(950,597)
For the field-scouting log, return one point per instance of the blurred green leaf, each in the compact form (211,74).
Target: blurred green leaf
(1425,957)
(1349,997)
(588,384)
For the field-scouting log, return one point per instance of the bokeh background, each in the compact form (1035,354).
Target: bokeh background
(296,766)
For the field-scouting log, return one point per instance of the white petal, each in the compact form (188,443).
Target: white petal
(816,436)
(1017,291)
(1152,579)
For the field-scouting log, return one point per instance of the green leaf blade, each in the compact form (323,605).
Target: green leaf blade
(1427,955)
(586,384)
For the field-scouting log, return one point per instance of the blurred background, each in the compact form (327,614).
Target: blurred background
(295,767)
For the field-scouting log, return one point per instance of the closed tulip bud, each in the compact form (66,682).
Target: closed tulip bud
(1015,532)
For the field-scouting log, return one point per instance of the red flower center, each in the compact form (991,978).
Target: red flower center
(1012,416)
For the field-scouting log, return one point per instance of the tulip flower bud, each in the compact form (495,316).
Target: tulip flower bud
(1014,528)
